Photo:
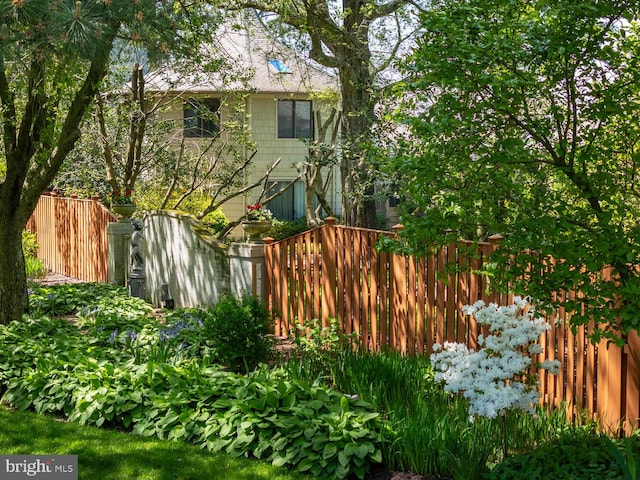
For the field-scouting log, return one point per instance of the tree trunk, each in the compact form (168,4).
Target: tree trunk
(33,157)
(14,301)
(358,205)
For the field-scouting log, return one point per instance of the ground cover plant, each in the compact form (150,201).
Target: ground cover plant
(115,364)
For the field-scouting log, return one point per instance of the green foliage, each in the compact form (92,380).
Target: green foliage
(34,268)
(92,376)
(627,456)
(216,221)
(29,244)
(576,453)
(281,229)
(523,122)
(239,331)
(434,436)
(150,197)
(318,350)
(331,412)
(101,300)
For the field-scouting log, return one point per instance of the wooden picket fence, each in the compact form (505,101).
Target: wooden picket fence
(72,234)
(407,303)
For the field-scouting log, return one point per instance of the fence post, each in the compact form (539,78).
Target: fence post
(118,235)
(247,267)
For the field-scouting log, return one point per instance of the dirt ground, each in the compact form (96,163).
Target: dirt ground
(52,278)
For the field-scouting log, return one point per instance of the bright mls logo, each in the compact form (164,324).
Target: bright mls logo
(45,467)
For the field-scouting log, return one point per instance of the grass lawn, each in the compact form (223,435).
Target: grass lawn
(121,456)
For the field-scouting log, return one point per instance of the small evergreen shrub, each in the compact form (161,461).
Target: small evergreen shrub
(239,331)
(216,221)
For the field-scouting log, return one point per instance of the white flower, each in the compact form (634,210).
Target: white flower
(535,349)
(552,366)
(491,378)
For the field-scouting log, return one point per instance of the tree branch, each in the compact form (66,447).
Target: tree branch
(214,205)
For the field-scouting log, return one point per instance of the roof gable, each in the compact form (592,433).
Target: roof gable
(266,64)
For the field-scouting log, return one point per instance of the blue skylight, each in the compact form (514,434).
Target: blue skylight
(279,66)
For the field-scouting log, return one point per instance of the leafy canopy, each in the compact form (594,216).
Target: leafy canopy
(523,122)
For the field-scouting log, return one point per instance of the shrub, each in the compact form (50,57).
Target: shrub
(34,267)
(239,331)
(216,221)
(576,453)
(29,244)
(318,350)
(281,229)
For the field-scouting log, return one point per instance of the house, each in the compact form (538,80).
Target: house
(278,107)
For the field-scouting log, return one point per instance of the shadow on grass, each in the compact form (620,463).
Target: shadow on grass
(118,456)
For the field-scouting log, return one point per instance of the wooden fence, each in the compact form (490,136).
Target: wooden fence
(407,303)
(72,234)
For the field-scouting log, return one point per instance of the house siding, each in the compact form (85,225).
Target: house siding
(262,120)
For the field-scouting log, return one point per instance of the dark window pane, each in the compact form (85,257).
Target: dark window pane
(303,119)
(201,117)
(210,117)
(290,204)
(295,119)
(190,120)
(285,119)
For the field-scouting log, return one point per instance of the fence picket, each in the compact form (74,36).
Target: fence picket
(632,367)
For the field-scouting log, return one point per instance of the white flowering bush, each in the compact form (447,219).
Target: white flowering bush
(496,378)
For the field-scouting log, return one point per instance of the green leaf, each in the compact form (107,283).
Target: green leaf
(344,404)
(304,465)
(329,451)
(279,460)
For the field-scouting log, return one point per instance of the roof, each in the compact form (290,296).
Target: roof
(268,65)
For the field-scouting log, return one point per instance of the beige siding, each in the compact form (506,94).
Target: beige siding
(262,118)
(264,123)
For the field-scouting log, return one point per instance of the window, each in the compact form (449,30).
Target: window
(201,117)
(289,205)
(295,119)
(394,201)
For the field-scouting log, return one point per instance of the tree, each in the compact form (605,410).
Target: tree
(53,56)
(322,154)
(340,36)
(523,122)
